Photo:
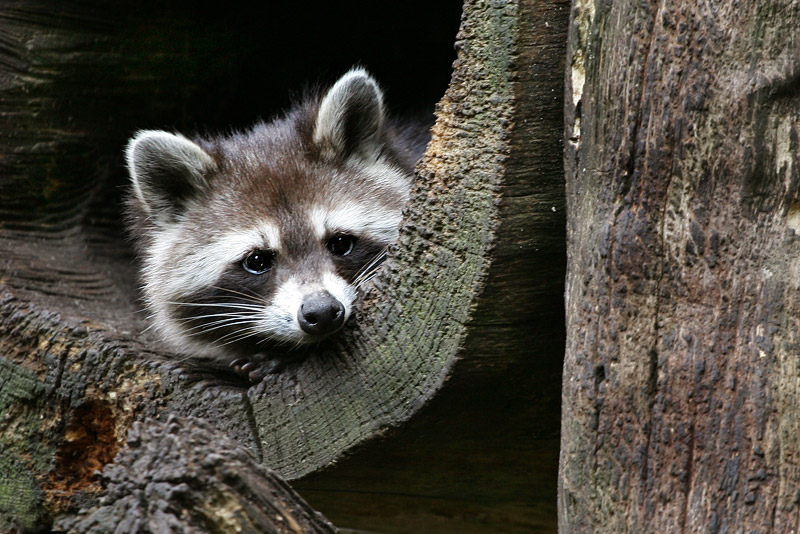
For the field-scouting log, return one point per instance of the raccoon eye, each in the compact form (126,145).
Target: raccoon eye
(258,261)
(341,244)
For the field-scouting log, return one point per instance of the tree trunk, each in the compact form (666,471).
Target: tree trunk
(680,389)
(472,291)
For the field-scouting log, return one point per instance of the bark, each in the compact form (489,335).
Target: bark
(680,386)
(183,476)
(483,240)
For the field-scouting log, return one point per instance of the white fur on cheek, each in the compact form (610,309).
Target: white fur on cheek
(174,266)
(341,290)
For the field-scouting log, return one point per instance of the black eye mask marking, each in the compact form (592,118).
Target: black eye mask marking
(350,254)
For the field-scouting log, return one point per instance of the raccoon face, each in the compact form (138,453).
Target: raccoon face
(260,240)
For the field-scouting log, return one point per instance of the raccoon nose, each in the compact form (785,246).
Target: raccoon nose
(320,314)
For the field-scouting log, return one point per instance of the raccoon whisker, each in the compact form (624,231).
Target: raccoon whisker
(242,335)
(249,294)
(228,302)
(185,358)
(366,279)
(238,336)
(192,355)
(221,303)
(153,324)
(252,297)
(234,305)
(204,329)
(227,313)
(268,338)
(232,321)
(369,269)
(232,315)
(232,337)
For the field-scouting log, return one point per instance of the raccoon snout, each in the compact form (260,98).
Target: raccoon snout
(320,314)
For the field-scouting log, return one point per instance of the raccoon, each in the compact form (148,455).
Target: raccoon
(253,245)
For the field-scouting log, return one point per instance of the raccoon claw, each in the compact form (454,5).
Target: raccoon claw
(237,363)
(255,372)
(248,369)
(256,375)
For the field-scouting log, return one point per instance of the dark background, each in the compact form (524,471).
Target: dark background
(246,63)
(212,67)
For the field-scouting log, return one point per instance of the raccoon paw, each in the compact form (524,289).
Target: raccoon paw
(255,371)
(247,369)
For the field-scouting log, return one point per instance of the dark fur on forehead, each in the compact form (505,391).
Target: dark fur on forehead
(278,163)
(275,167)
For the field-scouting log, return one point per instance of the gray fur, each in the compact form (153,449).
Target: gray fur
(350,117)
(333,165)
(160,161)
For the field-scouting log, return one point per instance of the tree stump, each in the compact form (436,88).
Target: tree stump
(680,382)
(471,294)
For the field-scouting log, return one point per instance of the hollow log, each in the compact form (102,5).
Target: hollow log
(471,293)
(680,382)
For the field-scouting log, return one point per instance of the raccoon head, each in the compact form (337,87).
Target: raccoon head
(259,240)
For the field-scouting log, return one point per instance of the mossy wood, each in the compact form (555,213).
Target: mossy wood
(680,392)
(483,240)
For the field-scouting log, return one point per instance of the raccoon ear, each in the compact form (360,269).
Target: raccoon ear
(166,169)
(350,117)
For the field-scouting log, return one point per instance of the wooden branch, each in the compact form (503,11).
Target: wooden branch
(680,398)
(184,476)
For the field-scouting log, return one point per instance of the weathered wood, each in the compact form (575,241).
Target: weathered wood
(68,396)
(680,383)
(183,476)
(77,367)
